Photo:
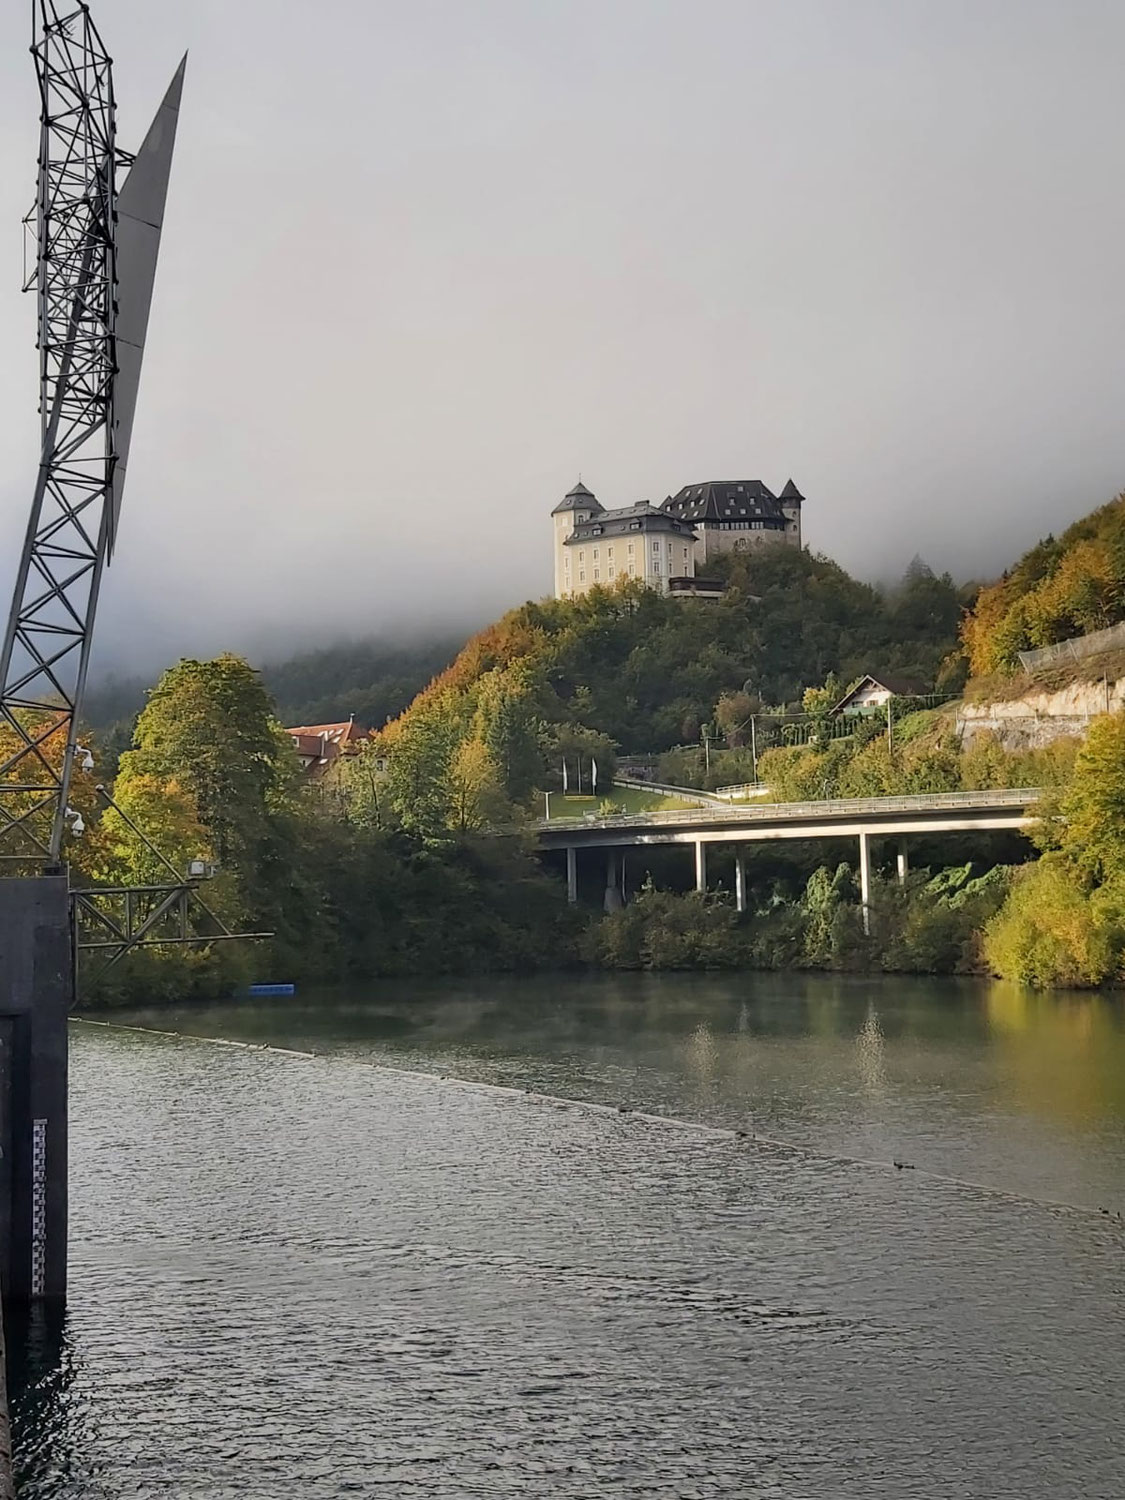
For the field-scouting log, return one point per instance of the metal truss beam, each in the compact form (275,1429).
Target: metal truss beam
(113,920)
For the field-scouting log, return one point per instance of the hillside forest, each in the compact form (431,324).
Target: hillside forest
(416,854)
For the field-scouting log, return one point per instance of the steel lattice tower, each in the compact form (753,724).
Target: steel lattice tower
(46,644)
(96,250)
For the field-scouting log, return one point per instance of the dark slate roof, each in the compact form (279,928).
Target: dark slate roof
(633,518)
(579,498)
(900,687)
(791,492)
(726,500)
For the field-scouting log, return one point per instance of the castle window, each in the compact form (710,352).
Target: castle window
(630,549)
(656,546)
(611,572)
(634,526)
(582,577)
(581,557)
(597,574)
(595,554)
(609,553)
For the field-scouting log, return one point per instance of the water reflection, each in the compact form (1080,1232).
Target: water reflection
(327,1278)
(869,1048)
(976,1080)
(1062,1055)
(46,1420)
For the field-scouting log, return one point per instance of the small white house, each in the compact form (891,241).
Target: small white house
(871,693)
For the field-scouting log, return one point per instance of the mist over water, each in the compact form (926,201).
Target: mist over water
(426,262)
(318,1274)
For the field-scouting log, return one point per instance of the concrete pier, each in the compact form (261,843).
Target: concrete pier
(740,881)
(865,879)
(36,991)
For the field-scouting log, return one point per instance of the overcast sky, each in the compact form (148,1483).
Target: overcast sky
(427,260)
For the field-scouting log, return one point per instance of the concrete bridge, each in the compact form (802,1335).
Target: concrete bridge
(861,818)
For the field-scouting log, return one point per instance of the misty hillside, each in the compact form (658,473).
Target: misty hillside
(647,670)
(374,680)
(1062,587)
(644,669)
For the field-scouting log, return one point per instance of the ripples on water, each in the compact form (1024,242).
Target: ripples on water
(323,1278)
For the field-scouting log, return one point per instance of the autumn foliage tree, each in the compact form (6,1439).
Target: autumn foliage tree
(1062,587)
(1064,921)
(211,772)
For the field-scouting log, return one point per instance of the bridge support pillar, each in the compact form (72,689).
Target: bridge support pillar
(903,862)
(740,881)
(700,865)
(613,901)
(571,874)
(865,879)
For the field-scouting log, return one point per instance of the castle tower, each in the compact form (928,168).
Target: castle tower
(579,504)
(791,501)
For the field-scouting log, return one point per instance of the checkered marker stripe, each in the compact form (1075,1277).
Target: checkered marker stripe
(38,1208)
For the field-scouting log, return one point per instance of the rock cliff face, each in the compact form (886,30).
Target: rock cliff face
(1040,716)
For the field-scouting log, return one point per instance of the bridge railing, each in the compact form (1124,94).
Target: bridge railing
(807,811)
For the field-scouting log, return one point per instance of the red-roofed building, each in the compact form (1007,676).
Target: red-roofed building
(318,745)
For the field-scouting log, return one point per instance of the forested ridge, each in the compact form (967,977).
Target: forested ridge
(648,670)
(370,680)
(416,854)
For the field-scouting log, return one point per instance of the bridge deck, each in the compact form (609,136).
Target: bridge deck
(936,812)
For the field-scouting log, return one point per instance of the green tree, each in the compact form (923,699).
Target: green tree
(210,759)
(209,726)
(165,813)
(1092,809)
(476,796)
(511,731)
(1051,931)
(419,768)
(1064,920)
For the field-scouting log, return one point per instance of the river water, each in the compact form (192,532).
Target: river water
(593,1237)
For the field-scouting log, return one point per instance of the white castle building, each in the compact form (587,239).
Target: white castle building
(669,545)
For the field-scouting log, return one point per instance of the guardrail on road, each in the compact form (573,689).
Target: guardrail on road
(806,811)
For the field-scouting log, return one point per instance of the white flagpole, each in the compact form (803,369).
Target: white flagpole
(565,786)
(593,776)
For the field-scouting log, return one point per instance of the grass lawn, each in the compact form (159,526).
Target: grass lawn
(629,799)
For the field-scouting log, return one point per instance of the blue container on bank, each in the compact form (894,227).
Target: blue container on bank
(272,989)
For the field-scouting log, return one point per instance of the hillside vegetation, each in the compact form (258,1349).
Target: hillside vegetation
(648,670)
(1062,587)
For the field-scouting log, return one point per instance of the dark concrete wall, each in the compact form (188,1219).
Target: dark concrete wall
(36,991)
